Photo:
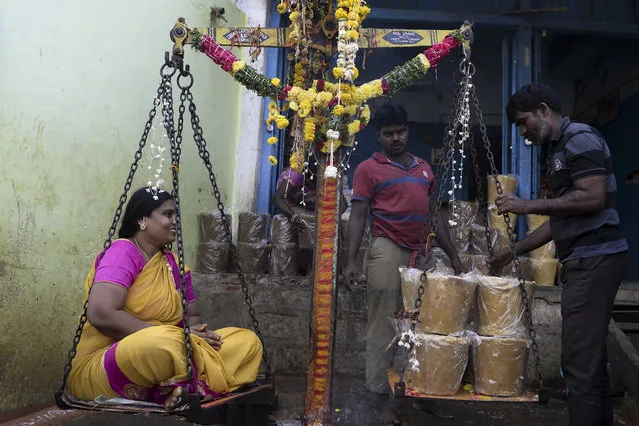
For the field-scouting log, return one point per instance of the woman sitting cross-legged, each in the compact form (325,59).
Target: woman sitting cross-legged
(133,344)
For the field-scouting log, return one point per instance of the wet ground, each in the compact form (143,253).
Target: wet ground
(352,406)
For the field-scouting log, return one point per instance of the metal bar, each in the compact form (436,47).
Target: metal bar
(572,26)
(268,177)
(320,363)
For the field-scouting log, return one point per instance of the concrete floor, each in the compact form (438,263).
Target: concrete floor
(351,406)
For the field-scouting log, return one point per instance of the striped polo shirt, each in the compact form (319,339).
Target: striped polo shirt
(398,197)
(578,151)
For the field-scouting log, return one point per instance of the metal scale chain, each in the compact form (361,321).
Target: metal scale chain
(525,298)
(198,136)
(166,80)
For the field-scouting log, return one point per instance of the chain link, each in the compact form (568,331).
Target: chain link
(203,152)
(166,79)
(511,239)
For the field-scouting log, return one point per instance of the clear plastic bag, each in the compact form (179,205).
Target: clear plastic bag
(212,227)
(441,362)
(307,233)
(252,227)
(499,365)
(462,213)
(475,261)
(534,221)
(460,237)
(544,271)
(508,185)
(500,306)
(446,301)
(478,241)
(282,231)
(253,257)
(283,260)
(525,263)
(213,257)
(547,251)
(498,223)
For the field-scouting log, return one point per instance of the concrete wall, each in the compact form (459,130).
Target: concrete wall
(77,82)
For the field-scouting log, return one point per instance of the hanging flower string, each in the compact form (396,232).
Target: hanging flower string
(340,107)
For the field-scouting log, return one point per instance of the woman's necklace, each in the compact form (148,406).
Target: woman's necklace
(146,256)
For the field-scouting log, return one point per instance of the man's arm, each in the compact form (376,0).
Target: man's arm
(536,239)
(443,237)
(589,197)
(356,226)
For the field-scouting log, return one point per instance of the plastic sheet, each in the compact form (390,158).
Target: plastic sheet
(307,232)
(544,271)
(508,186)
(475,261)
(212,227)
(442,361)
(446,300)
(283,259)
(547,251)
(462,213)
(499,365)
(460,237)
(252,227)
(213,257)
(253,257)
(478,241)
(282,231)
(534,221)
(500,306)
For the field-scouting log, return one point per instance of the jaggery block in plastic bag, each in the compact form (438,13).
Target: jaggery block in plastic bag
(475,261)
(460,237)
(501,307)
(499,365)
(534,221)
(508,186)
(462,213)
(498,222)
(510,270)
(446,300)
(283,260)
(306,234)
(283,231)
(478,241)
(252,227)
(213,257)
(544,271)
(212,227)
(253,257)
(442,362)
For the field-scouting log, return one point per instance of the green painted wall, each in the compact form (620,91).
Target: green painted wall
(76,85)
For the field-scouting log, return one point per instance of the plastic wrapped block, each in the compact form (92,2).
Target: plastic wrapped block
(283,259)
(547,251)
(475,261)
(499,365)
(478,241)
(498,223)
(253,257)
(212,227)
(534,221)
(500,306)
(508,185)
(252,227)
(462,213)
(213,257)
(307,232)
(460,237)
(446,300)
(544,271)
(282,231)
(442,362)
(526,266)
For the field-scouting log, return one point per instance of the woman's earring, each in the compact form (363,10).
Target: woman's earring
(142,227)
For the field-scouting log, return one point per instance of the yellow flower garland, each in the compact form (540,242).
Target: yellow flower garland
(272,160)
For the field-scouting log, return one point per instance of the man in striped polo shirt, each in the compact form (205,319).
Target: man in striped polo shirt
(396,186)
(585,227)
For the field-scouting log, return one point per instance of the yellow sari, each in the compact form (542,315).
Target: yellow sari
(149,364)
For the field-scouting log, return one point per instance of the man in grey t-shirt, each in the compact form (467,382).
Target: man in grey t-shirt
(585,227)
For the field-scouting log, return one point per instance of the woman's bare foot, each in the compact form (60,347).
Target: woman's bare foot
(387,414)
(178,397)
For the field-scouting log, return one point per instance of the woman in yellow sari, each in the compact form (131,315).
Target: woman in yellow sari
(132,345)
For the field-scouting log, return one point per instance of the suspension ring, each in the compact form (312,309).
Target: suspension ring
(184,74)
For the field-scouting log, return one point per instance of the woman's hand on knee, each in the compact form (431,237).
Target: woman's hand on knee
(209,336)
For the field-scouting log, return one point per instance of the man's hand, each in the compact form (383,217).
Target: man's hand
(510,203)
(350,276)
(210,337)
(501,258)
